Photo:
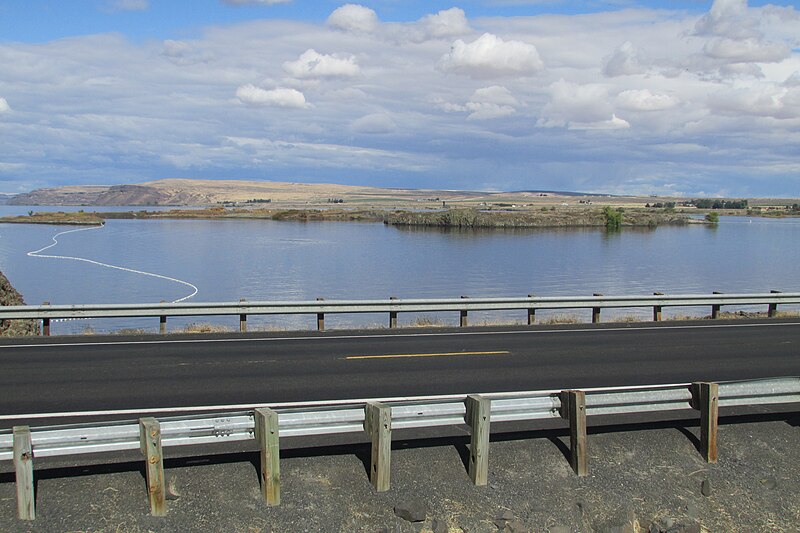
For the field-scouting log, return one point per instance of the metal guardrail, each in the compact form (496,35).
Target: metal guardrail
(378,419)
(393,306)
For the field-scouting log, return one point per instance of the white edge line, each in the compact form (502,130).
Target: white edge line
(322,403)
(388,336)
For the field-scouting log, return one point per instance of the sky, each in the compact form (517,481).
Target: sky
(680,98)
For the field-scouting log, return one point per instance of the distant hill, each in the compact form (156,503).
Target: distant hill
(186,192)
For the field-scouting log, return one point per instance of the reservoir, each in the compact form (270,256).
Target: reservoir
(140,261)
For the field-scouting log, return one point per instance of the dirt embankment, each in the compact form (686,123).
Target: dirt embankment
(14,328)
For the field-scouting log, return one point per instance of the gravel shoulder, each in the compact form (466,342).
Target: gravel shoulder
(641,478)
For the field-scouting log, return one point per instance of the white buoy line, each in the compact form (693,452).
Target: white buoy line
(38,253)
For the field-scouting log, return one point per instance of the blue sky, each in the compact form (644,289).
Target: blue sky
(684,98)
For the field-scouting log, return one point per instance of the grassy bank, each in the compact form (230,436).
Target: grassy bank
(455,218)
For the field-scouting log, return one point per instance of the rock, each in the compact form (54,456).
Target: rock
(506,515)
(439,526)
(515,526)
(770,483)
(705,488)
(172,491)
(560,529)
(413,511)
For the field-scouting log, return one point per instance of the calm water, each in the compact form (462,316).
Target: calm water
(265,260)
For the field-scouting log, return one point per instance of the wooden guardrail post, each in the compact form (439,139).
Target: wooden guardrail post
(705,398)
(242,319)
(266,422)
(596,311)
(320,318)
(573,409)
(478,418)
(657,308)
(150,443)
(46,324)
(162,323)
(715,308)
(23,466)
(772,311)
(531,313)
(463,320)
(378,425)
(392,315)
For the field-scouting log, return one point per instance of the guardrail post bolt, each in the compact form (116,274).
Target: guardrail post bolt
(531,313)
(392,315)
(242,318)
(378,425)
(266,423)
(463,321)
(478,419)
(573,408)
(23,466)
(715,308)
(773,308)
(150,444)
(705,398)
(596,311)
(657,308)
(320,318)
(46,324)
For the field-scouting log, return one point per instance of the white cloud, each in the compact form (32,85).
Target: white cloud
(765,100)
(129,5)
(746,50)
(255,2)
(624,61)
(728,18)
(574,103)
(446,23)
(645,100)
(793,80)
(4,107)
(374,123)
(280,97)
(490,56)
(312,64)
(496,94)
(614,123)
(354,18)
(486,110)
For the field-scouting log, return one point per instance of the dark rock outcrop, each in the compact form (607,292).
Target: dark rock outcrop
(14,328)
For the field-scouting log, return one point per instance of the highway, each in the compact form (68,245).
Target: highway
(72,374)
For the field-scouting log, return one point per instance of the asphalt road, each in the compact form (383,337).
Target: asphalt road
(70,374)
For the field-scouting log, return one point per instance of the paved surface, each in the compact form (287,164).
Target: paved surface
(80,374)
(648,475)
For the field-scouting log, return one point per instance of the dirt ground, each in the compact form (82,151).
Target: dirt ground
(641,478)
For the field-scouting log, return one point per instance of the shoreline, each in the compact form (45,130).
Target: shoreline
(463,218)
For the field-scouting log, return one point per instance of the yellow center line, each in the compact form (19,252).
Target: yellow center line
(446,354)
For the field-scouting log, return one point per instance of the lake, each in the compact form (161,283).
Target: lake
(226,260)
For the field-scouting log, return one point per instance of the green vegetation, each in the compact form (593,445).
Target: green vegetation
(713,218)
(707,203)
(613,217)
(78,219)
